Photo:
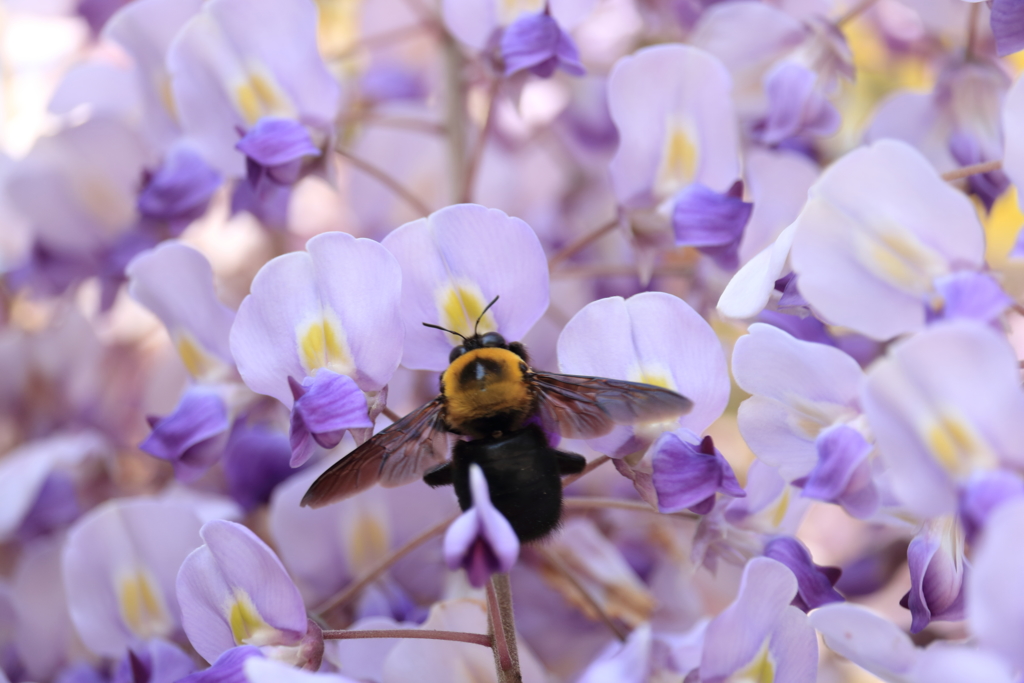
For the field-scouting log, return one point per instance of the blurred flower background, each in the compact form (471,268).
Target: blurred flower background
(222,223)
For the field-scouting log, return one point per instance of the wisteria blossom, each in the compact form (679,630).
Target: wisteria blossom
(241,242)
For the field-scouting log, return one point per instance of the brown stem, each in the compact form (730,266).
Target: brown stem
(562,568)
(854,12)
(423,634)
(350,591)
(466,194)
(398,188)
(390,414)
(974,169)
(591,466)
(587,503)
(503,625)
(579,243)
(972,31)
(619,270)
(407,123)
(455,112)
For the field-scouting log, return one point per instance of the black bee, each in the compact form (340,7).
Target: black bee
(491,396)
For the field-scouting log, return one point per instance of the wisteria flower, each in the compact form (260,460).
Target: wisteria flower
(119,567)
(481,540)
(476,23)
(234,591)
(944,404)
(879,231)
(454,262)
(688,474)
(938,574)
(321,333)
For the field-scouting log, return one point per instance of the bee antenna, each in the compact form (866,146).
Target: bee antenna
(444,329)
(487,308)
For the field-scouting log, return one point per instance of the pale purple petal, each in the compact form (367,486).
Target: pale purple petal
(995,608)
(946,662)
(738,633)
(638,340)
(536,42)
(688,474)
(55,507)
(671,105)
(866,639)
(982,495)
(794,648)
(1008,26)
(237,575)
(814,583)
(42,635)
(799,389)
(1013,133)
(228,668)
(796,106)
(262,670)
(335,307)
(778,181)
(192,438)
(712,221)
(627,662)
(481,540)
(935,427)
(972,295)
(176,283)
(454,262)
(119,568)
(879,228)
(750,289)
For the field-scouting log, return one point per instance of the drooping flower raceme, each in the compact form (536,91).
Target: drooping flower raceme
(320,332)
(454,262)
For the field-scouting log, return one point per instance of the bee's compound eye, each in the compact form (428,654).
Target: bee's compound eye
(492,339)
(456,352)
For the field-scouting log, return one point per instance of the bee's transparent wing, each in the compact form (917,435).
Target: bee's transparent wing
(399,454)
(586,407)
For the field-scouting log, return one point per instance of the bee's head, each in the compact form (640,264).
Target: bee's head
(481,341)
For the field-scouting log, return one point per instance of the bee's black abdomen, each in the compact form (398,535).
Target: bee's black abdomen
(523,475)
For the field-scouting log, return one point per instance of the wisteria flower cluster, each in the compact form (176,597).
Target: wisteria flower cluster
(245,243)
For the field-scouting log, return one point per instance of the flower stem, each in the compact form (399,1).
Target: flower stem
(854,12)
(503,626)
(973,169)
(466,194)
(386,179)
(571,249)
(562,568)
(587,503)
(972,31)
(455,112)
(343,596)
(423,634)
(591,466)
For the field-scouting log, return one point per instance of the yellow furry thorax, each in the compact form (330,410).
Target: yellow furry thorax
(483,382)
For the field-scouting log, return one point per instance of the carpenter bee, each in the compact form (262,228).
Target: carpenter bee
(500,406)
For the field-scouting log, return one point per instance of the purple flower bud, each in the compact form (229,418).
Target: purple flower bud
(536,42)
(970,295)
(796,106)
(1008,26)
(228,668)
(711,221)
(55,507)
(688,475)
(937,574)
(277,146)
(156,661)
(814,583)
(180,190)
(326,406)
(481,540)
(843,474)
(192,438)
(982,495)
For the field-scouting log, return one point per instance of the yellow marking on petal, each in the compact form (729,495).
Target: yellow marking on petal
(257,95)
(166,94)
(898,257)
(656,378)
(781,508)
(459,306)
(322,344)
(761,670)
(339,25)
(196,361)
(247,626)
(103,199)
(679,159)
(509,10)
(142,606)
(807,418)
(957,446)
(1002,225)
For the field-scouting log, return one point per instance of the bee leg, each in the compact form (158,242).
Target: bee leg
(570,463)
(439,475)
